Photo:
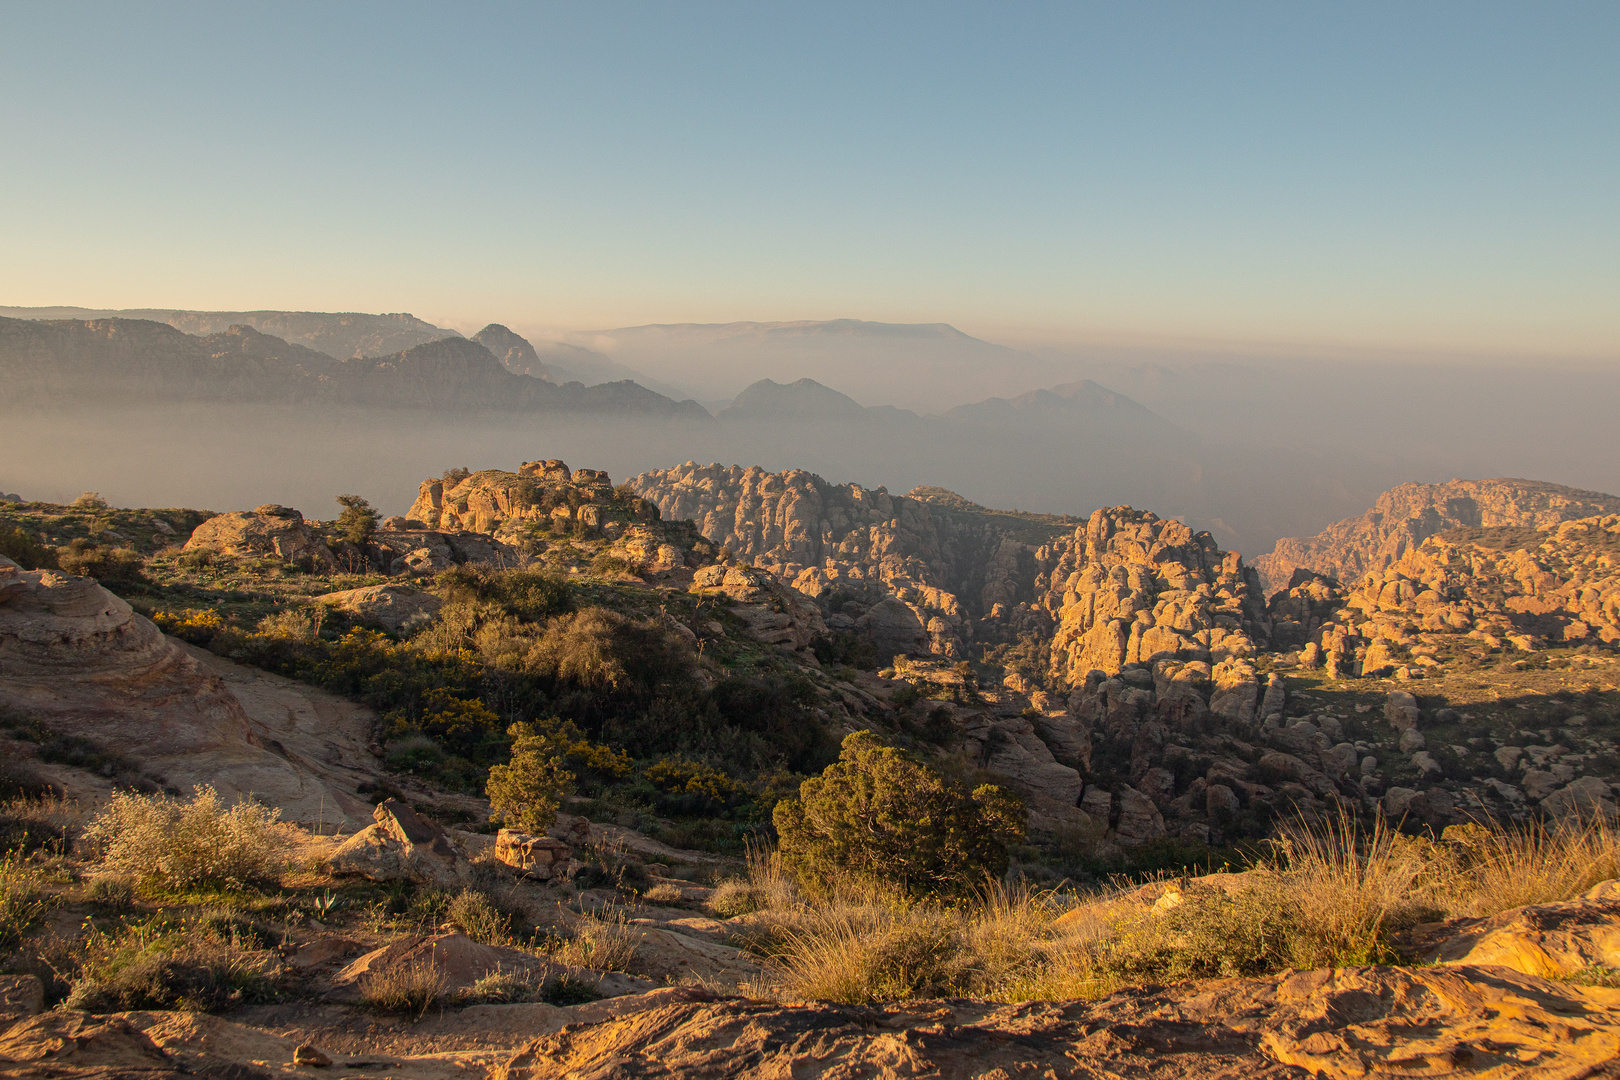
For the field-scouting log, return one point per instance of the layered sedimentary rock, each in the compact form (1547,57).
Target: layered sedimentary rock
(1130,587)
(78,660)
(1405,516)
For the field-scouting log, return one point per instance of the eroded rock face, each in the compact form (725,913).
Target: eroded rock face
(1335,1024)
(1517,588)
(273,530)
(921,573)
(80,660)
(773,613)
(1405,516)
(1131,587)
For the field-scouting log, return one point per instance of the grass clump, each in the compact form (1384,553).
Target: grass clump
(23,899)
(766,886)
(405,988)
(185,842)
(213,963)
(600,944)
(475,914)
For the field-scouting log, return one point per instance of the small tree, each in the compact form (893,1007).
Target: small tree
(526,791)
(358,520)
(879,814)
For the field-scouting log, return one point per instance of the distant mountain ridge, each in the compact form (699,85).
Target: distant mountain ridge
(926,367)
(342,335)
(130,360)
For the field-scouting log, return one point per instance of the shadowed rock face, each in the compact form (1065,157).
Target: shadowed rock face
(1405,516)
(923,578)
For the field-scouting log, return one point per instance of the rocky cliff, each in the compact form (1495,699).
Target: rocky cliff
(1405,516)
(1130,587)
(1501,587)
(925,572)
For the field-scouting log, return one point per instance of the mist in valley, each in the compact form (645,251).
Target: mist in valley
(1252,449)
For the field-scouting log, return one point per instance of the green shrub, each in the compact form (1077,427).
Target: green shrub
(24,550)
(475,914)
(209,965)
(877,814)
(23,900)
(358,519)
(526,791)
(192,841)
(86,558)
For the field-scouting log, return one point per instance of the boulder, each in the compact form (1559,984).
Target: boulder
(534,856)
(1552,941)
(1585,799)
(273,530)
(402,845)
(1401,710)
(393,607)
(1139,820)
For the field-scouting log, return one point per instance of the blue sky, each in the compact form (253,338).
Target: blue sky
(1420,176)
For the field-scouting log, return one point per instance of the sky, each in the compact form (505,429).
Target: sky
(1427,176)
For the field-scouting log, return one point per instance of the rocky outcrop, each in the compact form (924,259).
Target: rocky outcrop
(1405,516)
(772,613)
(393,607)
(1515,588)
(1334,1024)
(268,530)
(1553,941)
(926,572)
(540,857)
(543,498)
(1130,587)
(78,660)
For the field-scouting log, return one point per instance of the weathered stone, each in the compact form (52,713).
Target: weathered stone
(268,530)
(402,846)
(393,607)
(536,856)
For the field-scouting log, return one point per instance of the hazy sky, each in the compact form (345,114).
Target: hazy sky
(1426,175)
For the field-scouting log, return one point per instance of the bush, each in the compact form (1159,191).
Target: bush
(358,519)
(600,944)
(86,558)
(405,988)
(24,550)
(23,900)
(211,965)
(111,892)
(879,815)
(526,791)
(189,842)
(475,914)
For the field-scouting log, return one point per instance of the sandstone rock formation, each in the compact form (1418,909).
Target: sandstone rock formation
(393,607)
(538,857)
(921,572)
(1130,587)
(402,845)
(773,613)
(78,660)
(543,496)
(1502,587)
(1405,516)
(272,530)
(1334,1024)
(460,962)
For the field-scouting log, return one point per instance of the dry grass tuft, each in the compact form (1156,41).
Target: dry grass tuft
(600,944)
(405,988)
(23,899)
(190,841)
(765,887)
(1510,866)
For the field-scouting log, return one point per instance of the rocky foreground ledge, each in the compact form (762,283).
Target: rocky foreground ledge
(1456,1017)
